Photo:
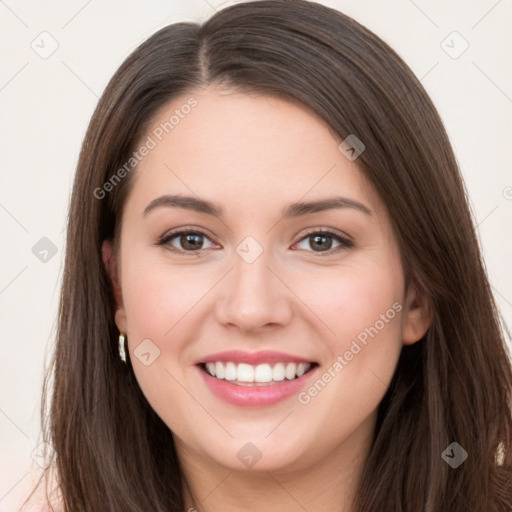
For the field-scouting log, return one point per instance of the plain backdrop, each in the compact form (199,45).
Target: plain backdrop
(57,58)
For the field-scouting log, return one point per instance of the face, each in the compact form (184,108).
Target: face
(299,310)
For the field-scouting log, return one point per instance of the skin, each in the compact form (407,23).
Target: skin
(254,155)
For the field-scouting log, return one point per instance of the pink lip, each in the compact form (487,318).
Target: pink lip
(253,358)
(255,396)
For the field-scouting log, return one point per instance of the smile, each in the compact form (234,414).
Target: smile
(255,379)
(265,374)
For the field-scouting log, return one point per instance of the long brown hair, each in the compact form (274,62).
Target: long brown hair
(112,450)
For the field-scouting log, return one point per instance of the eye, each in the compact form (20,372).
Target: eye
(322,239)
(190,241)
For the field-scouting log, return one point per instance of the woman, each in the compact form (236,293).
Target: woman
(273,295)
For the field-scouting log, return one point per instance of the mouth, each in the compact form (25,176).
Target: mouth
(264,374)
(258,379)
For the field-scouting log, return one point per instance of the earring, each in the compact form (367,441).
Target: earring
(122,353)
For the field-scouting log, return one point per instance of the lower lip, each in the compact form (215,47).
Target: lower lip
(255,396)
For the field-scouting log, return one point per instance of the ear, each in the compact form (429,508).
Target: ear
(417,316)
(110,263)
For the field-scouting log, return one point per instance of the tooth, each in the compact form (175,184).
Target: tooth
(302,369)
(211,368)
(245,373)
(291,370)
(219,370)
(263,373)
(278,372)
(230,371)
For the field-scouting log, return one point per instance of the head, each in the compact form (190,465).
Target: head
(256,279)
(251,113)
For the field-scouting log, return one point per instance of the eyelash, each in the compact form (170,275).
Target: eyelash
(345,243)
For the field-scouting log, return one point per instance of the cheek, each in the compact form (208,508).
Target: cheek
(349,300)
(159,301)
(163,304)
(363,308)
(157,296)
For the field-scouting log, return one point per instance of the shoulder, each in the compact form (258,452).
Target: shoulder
(43,499)
(42,507)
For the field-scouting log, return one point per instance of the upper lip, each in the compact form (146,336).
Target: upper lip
(253,358)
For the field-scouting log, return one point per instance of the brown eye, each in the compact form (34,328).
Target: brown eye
(191,241)
(322,242)
(184,241)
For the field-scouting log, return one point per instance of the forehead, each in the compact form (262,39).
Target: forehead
(223,123)
(231,144)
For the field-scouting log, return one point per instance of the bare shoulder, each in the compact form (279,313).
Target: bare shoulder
(42,507)
(43,498)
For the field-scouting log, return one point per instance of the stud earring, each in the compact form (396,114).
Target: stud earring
(122,353)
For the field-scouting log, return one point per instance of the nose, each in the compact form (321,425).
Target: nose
(254,295)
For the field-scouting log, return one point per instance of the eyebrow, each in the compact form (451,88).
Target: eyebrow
(293,210)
